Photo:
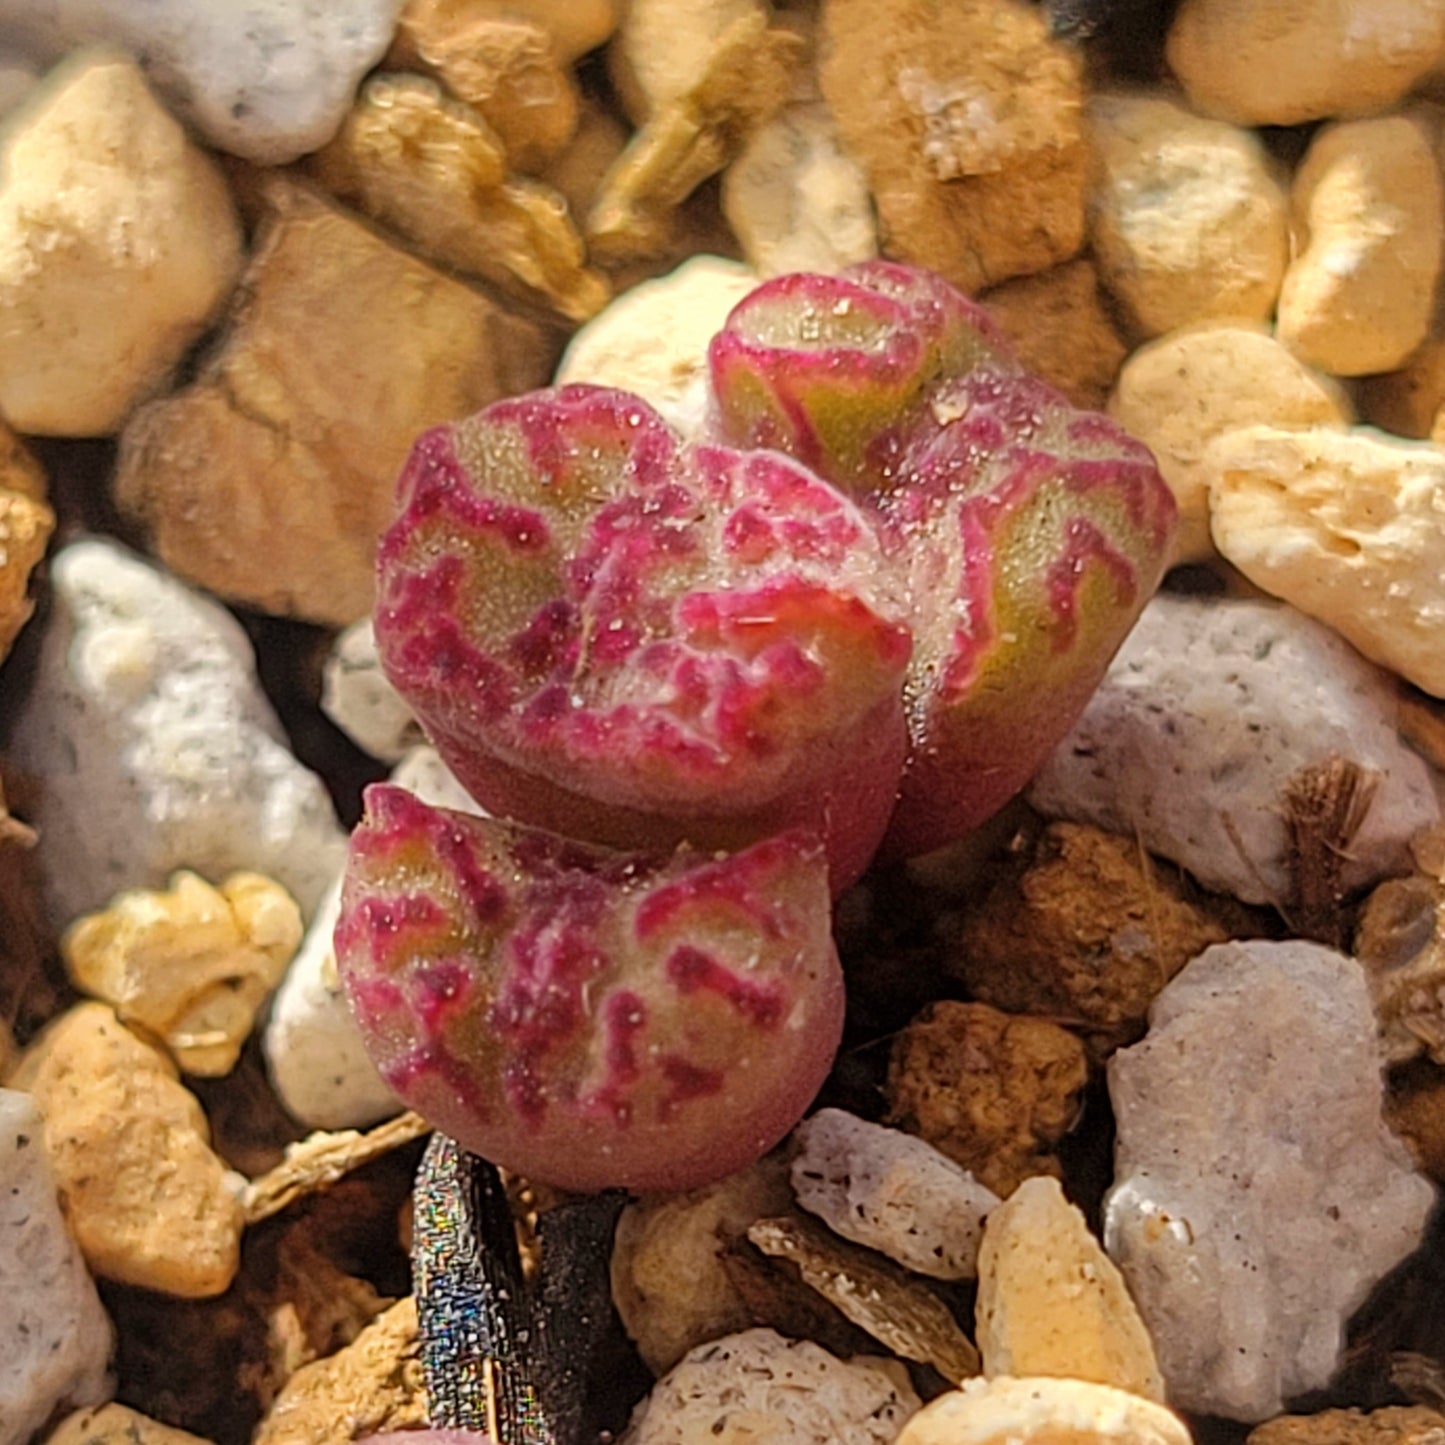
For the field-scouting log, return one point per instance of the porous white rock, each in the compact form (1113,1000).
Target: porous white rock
(314,1054)
(118,245)
(359,698)
(1205,715)
(1187,219)
(269,80)
(892,1192)
(158,749)
(1258,1194)
(795,200)
(55,1338)
(1348,527)
(652,339)
(1369,219)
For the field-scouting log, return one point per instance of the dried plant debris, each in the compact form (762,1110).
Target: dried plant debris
(901,1313)
(1325,805)
(319,1160)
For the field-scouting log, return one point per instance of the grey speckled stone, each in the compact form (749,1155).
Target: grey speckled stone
(1208,711)
(1258,1194)
(269,80)
(156,746)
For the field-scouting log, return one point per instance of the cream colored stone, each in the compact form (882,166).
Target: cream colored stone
(662,48)
(117,1425)
(1061,330)
(270,479)
(148,1201)
(435,172)
(191,964)
(372,1385)
(1179,393)
(25,529)
(795,201)
(1040,1411)
(118,245)
(1369,218)
(1051,1302)
(653,339)
(967,119)
(1348,527)
(1281,62)
(1187,220)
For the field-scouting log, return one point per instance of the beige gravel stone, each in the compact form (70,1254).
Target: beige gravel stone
(374,1384)
(1347,526)
(1394,1425)
(148,1201)
(966,116)
(25,529)
(1280,62)
(270,479)
(1051,1302)
(191,964)
(118,246)
(1179,393)
(795,201)
(117,1425)
(1062,330)
(574,26)
(1041,1411)
(20,469)
(1187,220)
(662,48)
(436,173)
(1368,210)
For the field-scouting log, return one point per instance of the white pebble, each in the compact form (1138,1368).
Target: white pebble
(359,698)
(892,1192)
(55,1338)
(158,747)
(1206,714)
(1259,1195)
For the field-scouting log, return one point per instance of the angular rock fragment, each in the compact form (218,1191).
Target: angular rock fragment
(25,528)
(118,246)
(55,1339)
(892,1192)
(158,749)
(265,79)
(1393,1425)
(1346,526)
(149,1202)
(270,478)
(994,1093)
(968,121)
(1368,208)
(1187,220)
(20,470)
(1051,1302)
(1258,1195)
(446,26)
(756,1384)
(1193,739)
(1401,941)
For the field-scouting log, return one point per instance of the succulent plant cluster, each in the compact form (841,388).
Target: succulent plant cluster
(856,618)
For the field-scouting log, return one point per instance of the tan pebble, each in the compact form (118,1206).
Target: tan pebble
(435,172)
(653,339)
(117,1425)
(1051,1302)
(118,246)
(374,1384)
(1040,1411)
(148,1201)
(795,201)
(1085,930)
(25,530)
(1346,526)
(662,48)
(1394,1425)
(270,479)
(1062,330)
(507,68)
(968,121)
(993,1091)
(669,1284)
(20,469)
(1187,220)
(573,26)
(1179,393)
(1368,214)
(192,964)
